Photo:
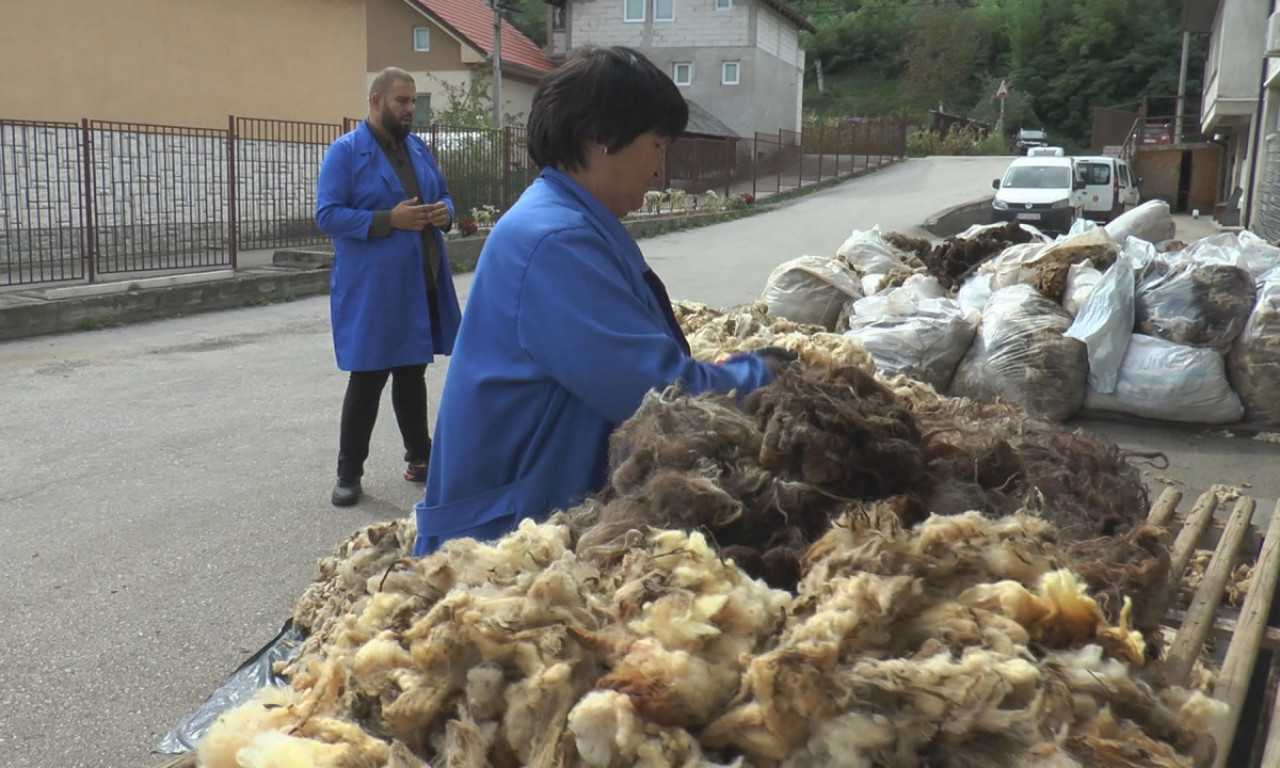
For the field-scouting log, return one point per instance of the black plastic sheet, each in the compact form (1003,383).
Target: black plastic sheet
(255,673)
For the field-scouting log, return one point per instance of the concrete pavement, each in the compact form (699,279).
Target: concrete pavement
(164,485)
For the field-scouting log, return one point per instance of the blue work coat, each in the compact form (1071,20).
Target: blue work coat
(561,340)
(377,289)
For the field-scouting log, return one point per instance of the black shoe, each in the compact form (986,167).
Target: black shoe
(346,493)
(416,472)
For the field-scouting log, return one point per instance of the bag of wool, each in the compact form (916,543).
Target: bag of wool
(1081,278)
(811,289)
(869,253)
(1173,382)
(1105,323)
(1201,304)
(908,331)
(1021,355)
(1150,221)
(1253,364)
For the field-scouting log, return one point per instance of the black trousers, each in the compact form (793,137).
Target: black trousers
(360,412)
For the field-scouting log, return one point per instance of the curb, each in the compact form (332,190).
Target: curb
(958,218)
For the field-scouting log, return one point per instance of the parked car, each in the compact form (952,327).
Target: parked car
(1111,188)
(1031,137)
(1157,133)
(1041,191)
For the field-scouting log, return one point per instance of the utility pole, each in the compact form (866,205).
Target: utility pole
(1182,89)
(497,63)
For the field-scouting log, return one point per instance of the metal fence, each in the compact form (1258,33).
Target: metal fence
(770,163)
(97,198)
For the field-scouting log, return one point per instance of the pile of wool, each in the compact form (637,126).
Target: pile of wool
(518,652)
(1197,304)
(961,641)
(765,479)
(715,334)
(1253,364)
(914,647)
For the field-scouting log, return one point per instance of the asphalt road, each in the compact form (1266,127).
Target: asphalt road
(164,487)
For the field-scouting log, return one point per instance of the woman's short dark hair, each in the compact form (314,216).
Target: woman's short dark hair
(604,96)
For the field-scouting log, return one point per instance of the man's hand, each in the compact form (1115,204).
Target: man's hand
(439,215)
(411,216)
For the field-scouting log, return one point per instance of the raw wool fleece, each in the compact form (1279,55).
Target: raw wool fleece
(714,334)
(964,641)
(954,258)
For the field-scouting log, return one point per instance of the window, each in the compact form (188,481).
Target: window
(729,73)
(723,5)
(421,38)
(682,72)
(1095,173)
(664,10)
(422,113)
(557,17)
(633,10)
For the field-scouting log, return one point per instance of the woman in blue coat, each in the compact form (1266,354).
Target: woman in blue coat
(566,326)
(392,303)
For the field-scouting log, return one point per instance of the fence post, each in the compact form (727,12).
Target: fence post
(822,134)
(800,173)
(697,154)
(90,230)
(755,154)
(779,155)
(505,197)
(730,148)
(233,206)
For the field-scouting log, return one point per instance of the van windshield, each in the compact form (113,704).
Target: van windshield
(1095,173)
(1037,177)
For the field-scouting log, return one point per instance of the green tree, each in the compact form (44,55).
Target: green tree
(941,56)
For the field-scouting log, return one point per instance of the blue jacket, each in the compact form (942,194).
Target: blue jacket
(561,340)
(377,292)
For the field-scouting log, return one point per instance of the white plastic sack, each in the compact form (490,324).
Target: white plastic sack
(917,335)
(1105,323)
(1245,250)
(1014,265)
(975,230)
(810,289)
(1081,278)
(1253,366)
(974,293)
(868,252)
(1150,221)
(1021,355)
(1173,382)
(1078,227)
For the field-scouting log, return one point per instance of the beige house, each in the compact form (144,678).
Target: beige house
(447,45)
(182,62)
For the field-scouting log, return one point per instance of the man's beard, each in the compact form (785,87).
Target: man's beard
(392,125)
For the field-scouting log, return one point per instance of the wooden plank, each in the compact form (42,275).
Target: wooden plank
(1271,753)
(1242,654)
(1191,531)
(1200,614)
(1162,511)
(1224,628)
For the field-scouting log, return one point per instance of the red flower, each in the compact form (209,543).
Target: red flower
(468,227)
(747,197)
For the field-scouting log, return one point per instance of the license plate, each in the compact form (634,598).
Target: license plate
(1029,216)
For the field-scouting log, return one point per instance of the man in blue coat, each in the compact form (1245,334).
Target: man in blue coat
(567,327)
(392,303)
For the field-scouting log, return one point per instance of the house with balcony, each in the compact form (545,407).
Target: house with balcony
(1237,80)
(447,45)
(739,61)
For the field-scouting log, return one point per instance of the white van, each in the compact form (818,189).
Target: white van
(1110,187)
(1041,191)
